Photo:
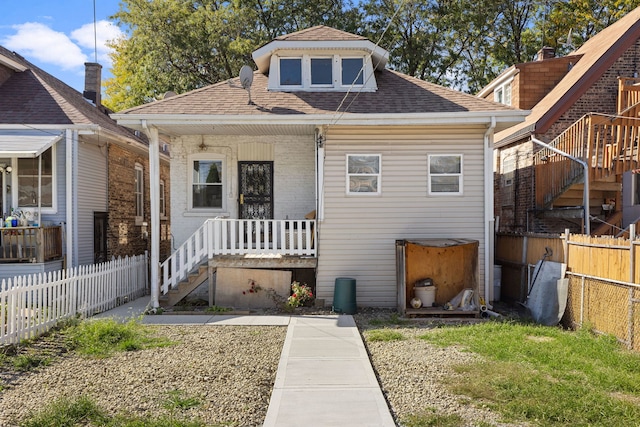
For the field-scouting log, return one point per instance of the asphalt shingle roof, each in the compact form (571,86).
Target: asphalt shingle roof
(35,97)
(397,94)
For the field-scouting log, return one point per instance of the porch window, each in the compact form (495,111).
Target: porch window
(28,181)
(163,212)
(321,71)
(139,192)
(445,174)
(290,71)
(351,73)
(206,183)
(363,173)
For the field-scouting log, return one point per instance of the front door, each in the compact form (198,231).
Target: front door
(256,190)
(99,237)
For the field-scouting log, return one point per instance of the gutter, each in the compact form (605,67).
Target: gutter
(585,191)
(489,219)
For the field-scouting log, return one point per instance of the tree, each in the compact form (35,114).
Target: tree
(181,45)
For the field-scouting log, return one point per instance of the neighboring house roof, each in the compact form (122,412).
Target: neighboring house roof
(398,97)
(31,96)
(598,54)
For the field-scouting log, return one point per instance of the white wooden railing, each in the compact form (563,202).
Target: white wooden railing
(238,237)
(31,305)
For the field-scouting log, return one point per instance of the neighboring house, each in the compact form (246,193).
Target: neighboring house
(78,179)
(583,122)
(326,162)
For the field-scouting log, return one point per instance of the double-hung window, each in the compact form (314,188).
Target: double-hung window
(207,183)
(363,173)
(163,204)
(445,174)
(139,192)
(30,186)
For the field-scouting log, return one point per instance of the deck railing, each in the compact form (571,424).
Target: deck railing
(266,237)
(30,244)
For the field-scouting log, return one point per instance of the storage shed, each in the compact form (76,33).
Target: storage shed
(450,264)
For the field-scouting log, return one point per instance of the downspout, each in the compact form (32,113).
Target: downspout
(585,195)
(489,232)
(154,193)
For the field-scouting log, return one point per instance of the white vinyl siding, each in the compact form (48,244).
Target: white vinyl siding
(357,236)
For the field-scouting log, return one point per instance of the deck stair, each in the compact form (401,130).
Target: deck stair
(608,144)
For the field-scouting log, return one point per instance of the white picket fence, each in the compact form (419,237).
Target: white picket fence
(31,305)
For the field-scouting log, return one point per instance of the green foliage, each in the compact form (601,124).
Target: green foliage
(217,309)
(83,411)
(27,362)
(547,375)
(384,335)
(430,418)
(67,413)
(100,338)
(176,400)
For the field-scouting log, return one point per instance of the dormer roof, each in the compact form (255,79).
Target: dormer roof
(319,38)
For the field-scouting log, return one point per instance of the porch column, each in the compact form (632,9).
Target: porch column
(154,193)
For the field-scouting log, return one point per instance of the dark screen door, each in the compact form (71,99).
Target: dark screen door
(99,237)
(256,190)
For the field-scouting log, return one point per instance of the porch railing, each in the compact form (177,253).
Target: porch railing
(249,237)
(30,244)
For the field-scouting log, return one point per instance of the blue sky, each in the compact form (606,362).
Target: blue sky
(58,35)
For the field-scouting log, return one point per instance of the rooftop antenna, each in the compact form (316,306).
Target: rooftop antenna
(246,80)
(95,34)
(569,43)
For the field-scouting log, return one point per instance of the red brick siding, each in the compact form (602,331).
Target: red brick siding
(124,236)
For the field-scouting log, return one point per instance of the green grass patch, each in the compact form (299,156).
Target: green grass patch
(546,375)
(176,400)
(217,309)
(27,362)
(84,412)
(384,335)
(430,418)
(101,338)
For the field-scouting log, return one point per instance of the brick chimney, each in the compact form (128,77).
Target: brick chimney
(545,53)
(92,82)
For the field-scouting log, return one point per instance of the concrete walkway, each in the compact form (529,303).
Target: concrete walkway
(324,376)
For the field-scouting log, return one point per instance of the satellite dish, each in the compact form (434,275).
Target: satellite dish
(169,94)
(246,79)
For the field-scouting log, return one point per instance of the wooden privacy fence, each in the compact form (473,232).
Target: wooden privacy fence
(31,305)
(603,273)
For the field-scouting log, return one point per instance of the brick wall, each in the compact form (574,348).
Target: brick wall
(125,238)
(600,97)
(537,78)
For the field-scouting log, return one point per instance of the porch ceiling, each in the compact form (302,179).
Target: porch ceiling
(234,129)
(26,144)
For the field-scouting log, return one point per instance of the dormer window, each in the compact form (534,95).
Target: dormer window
(317,72)
(351,73)
(321,71)
(290,71)
(502,93)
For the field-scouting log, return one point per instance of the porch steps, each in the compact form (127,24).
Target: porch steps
(184,288)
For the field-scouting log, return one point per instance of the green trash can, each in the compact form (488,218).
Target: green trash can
(344,295)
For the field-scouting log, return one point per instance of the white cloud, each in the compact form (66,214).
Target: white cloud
(40,42)
(105,31)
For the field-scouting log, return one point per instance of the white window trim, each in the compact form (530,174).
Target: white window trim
(225,183)
(460,175)
(502,88)
(333,70)
(302,72)
(378,175)
(362,73)
(139,169)
(13,181)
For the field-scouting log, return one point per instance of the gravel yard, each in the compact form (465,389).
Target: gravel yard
(230,370)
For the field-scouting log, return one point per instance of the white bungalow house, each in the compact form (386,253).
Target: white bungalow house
(322,164)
